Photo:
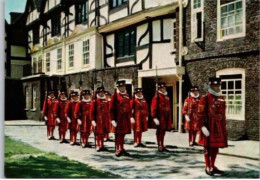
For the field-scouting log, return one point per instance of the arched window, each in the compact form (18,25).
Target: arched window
(233,89)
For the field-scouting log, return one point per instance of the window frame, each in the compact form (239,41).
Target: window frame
(85,52)
(111,3)
(232,36)
(56,25)
(59,59)
(34,97)
(174,35)
(27,98)
(194,23)
(71,55)
(40,70)
(81,13)
(125,56)
(48,62)
(235,71)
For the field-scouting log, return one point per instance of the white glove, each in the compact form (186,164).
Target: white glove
(94,123)
(45,118)
(156,121)
(58,120)
(79,122)
(68,119)
(187,118)
(146,118)
(205,131)
(113,122)
(132,120)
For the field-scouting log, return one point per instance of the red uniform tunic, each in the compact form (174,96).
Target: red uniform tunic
(123,111)
(101,116)
(216,107)
(165,117)
(190,108)
(82,112)
(141,113)
(59,112)
(109,125)
(47,110)
(70,112)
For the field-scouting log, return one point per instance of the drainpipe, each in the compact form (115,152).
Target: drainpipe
(180,63)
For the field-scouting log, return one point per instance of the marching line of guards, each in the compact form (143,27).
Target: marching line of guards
(104,114)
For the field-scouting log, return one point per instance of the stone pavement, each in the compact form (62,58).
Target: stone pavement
(245,149)
(144,162)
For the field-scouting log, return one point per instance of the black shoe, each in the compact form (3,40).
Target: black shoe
(125,153)
(52,138)
(88,146)
(160,149)
(195,144)
(61,142)
(103,149)
(210,173)
(119,154)
(217,171)
(99,149)
(166,150)
(142,145)
(65,141)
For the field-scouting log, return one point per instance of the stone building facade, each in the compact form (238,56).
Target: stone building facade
(233,55)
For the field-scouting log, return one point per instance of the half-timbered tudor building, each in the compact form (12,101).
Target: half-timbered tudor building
(76,42)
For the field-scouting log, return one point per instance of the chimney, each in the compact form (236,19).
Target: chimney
(14,16)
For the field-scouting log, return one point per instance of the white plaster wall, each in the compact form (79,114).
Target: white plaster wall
(140,31)
(104,12)
(111,61)
(137,7)
(167,28)
(62,23)
(101,2)
(111,42)
(141,54)
(49,30)
(157,30)
(162,57)
(117,15)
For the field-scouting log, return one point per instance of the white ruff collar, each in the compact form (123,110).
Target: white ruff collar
(99,97)
(120,91)
(139,97)
(192,95)
(75,100)
(86,100)
(163,93)
(51,97)
(63,99)
(211,91)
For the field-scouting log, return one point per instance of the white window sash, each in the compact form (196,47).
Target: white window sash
(243,19)
(194,21)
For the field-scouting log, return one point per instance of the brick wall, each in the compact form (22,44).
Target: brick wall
(209,56)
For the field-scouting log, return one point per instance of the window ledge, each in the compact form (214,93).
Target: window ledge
(26,109)
(241,35)
(197,40)
(86,65)
(33,110)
